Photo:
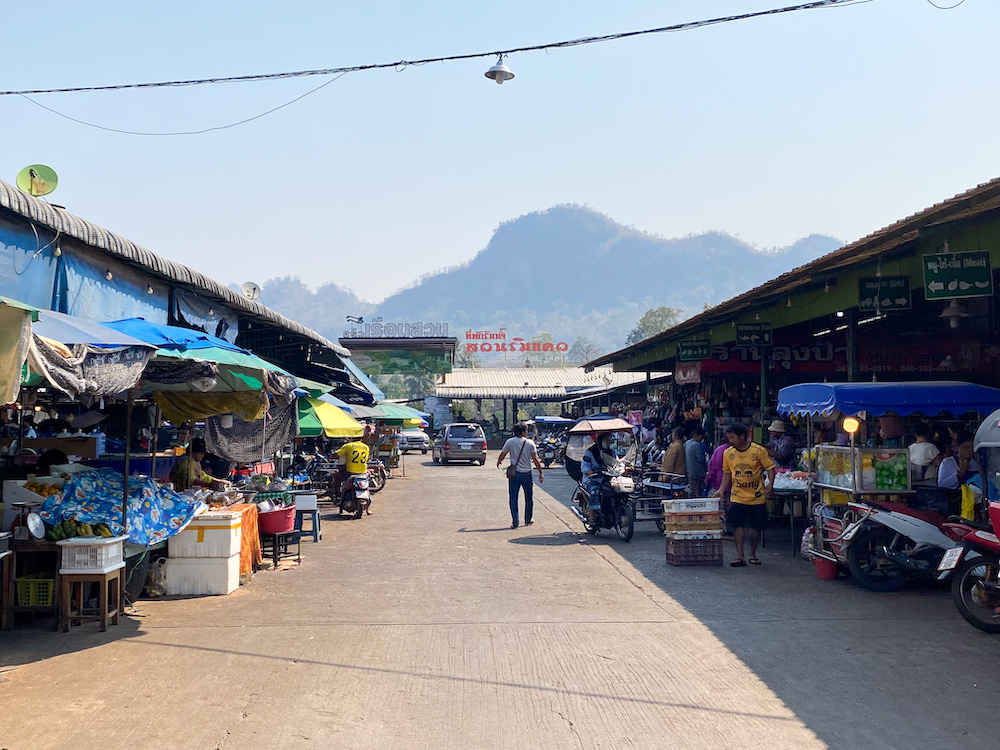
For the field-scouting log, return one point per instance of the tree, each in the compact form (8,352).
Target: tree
(582,351)
(467,359)
(654,321)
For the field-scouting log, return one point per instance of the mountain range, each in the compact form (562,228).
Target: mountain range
(569,272)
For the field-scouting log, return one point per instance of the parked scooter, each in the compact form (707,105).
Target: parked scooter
(886,543)
(975,570)
(547,450)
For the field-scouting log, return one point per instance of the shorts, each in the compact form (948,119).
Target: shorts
(739,515)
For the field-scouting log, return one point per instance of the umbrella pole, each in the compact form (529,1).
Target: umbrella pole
(128,452)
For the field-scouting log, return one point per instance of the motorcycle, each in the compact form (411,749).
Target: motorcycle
(353,495)
(377,475)
(886,543)
(547,451)
(610,506)
(975,570)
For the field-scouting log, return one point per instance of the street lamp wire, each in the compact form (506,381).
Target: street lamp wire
(399,65)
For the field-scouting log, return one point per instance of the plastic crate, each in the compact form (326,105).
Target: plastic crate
(692,505)
(690,552)
(691,521)
(715,533)
(91,554)
(36,590)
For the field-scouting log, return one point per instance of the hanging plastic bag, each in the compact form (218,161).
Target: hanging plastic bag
(156,578)
(968,503)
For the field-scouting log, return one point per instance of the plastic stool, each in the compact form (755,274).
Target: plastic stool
(316,529)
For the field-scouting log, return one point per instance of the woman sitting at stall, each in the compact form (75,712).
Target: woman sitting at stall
(187,472)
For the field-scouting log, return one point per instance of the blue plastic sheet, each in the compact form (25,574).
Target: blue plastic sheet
(155,512)
(877,399)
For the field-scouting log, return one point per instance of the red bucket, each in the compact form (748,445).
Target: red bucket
(826,570)
(277,521)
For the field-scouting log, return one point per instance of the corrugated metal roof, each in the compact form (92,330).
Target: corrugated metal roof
(531,382)
(60,220)
(979,200)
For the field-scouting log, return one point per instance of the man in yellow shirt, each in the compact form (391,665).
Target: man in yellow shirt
(743,467)
(353,460)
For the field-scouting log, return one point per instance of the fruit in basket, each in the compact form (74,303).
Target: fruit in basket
(40,488)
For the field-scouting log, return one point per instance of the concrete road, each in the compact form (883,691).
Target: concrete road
(432,624)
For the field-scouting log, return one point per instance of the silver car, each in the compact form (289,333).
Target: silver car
(460,442)
(414,440)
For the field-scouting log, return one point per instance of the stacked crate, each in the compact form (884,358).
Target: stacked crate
(692,531)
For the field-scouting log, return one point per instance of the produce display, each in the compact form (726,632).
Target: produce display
(45,490)
(69,528)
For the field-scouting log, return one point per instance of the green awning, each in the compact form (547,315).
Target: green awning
(237,372)
(20,306)
(320,418)
(398,415)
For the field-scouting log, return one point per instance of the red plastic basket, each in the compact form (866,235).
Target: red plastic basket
(277,521)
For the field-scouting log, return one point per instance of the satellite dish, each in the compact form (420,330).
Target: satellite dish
(37,180)
(250,290)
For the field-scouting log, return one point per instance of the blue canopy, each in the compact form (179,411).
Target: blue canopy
(553,420)
(67,329)
(374,390)
(171,337)
(877,399)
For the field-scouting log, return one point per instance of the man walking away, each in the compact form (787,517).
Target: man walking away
(523,453)
(743,467)
(696,462)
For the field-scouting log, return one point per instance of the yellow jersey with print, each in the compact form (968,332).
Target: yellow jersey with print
(356,454)
(746,469)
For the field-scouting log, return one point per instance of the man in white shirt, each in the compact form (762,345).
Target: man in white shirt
(522,453)
(958,469)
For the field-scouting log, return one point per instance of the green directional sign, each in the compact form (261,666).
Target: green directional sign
(753,334)
(693,351)
(957,275)
(884,294)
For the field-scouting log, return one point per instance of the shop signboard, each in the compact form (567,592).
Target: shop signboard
(884,294)
(402,361)
(753,334)
(693,351)
(958,275)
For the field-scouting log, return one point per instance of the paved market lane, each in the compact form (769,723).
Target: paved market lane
(432,624)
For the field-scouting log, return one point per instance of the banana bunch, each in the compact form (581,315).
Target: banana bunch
(70,528)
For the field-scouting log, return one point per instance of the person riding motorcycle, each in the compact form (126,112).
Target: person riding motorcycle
(353,458)
(596,459)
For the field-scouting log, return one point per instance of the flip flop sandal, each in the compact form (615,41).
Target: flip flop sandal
(754,561)
(738,564)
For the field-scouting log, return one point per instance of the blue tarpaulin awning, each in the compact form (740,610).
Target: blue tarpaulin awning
(365,381)
(171,337)
(877,399)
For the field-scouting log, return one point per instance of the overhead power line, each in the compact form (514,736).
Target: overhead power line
(401,64)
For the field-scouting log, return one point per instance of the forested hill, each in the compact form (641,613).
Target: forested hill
(569,272)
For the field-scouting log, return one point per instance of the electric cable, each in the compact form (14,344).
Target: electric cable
(402,64)
(945,7)
(187,132)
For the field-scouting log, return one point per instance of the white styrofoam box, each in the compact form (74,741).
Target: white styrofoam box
(691,505)
(201,576)
(14,492)
(93,554)
(306,502)
(683,535)
(213,534)
(60,469)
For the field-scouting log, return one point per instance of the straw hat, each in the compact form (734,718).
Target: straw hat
(776,426)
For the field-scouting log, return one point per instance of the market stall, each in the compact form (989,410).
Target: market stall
(855,471)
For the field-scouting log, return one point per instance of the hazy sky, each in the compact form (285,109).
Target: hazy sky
(837,121)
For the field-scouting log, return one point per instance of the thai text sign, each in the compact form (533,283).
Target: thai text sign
(956,275)
(488,342)
(692,351)
(753,334)
(884,294)
(377,329)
